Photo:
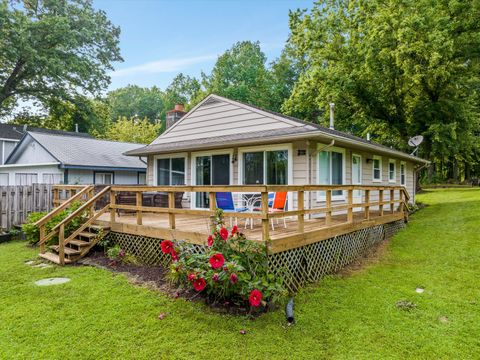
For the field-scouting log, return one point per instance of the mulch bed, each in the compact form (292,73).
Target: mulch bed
(156,278)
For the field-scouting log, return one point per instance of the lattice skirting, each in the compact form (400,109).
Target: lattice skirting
(309,263)
(297,267)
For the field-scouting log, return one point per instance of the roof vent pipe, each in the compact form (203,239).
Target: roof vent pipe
(368,136)
(76,128)
(332,109)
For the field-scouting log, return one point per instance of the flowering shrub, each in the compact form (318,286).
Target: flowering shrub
(119,256)
(231,269)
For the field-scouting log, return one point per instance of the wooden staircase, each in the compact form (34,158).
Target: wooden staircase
(72,247)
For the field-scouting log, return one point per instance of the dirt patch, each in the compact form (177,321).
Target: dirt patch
(373,255)
(156,278)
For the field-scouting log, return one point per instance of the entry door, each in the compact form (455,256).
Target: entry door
(357,177)
(211,170)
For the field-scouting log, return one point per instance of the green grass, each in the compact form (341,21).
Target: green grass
(99,315)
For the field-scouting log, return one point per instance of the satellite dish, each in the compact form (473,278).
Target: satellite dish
(415,142)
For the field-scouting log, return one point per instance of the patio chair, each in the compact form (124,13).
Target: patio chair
(277,202)
(226,203)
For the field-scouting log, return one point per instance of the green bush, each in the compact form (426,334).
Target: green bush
(231,269)
(32,232)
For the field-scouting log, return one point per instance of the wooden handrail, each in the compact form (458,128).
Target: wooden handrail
(82,208)
(63,206)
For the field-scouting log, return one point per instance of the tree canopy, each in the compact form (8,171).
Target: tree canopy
(54,51)
(394,69)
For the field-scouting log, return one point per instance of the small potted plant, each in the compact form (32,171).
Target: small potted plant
(4,235)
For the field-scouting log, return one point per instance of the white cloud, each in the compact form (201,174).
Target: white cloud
(162,66)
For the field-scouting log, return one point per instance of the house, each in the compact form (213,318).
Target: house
(54,157)
(226,142)
(9,138)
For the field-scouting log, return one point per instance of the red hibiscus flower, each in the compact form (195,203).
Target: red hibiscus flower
(174,255)
(217,261)
(224,233)
(167,246)
(234,230)
(255,298)
(233,278)
(210,240)
(199,284)
(191,277)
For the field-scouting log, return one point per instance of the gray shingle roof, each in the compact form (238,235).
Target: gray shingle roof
(88,152)
(16,132)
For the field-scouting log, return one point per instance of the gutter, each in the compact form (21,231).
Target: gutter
(6,166)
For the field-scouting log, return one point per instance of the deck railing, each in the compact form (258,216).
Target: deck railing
(396,202)
(375,204)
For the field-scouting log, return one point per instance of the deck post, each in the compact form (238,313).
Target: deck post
(90,195)
(61,244)
(212,199)
(265,222)
(392,201)
(367,204)
(171,205)
(301,216)
(380,199)
(328,203)
(139,205)
(55,197)
(350,206)
(112,210)
(401,203)
(42,237)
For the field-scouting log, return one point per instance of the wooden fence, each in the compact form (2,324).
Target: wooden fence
(16,202)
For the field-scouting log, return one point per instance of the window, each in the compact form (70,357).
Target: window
(331,170)
(377,169)
(356,169)
(142,178)
(3,179)
(391,171)
(103,178)
(26,179)
(402,174)
(171,171)
(265,167)
(52,178)
(210,170)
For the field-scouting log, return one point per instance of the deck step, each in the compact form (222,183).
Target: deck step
(87,234)
(79,243)
(68,250)
(53,258)
(98,227)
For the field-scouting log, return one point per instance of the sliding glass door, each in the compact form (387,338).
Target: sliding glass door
(331,171)
(211,170)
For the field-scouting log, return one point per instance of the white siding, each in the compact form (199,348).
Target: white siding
(11,173)
(33,153)
(221,118)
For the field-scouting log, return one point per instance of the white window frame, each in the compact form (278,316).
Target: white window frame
(27,176)
(361,169)
(168,156)
(51,176)
(404,164)
(277,147)
(321,194)
(103,177)
(394,162)
(379,158)
(193,170)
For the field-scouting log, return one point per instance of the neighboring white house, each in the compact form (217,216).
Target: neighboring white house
(222,142)
(71,158)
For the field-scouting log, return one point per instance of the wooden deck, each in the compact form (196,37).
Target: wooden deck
(195,229)
(306,223)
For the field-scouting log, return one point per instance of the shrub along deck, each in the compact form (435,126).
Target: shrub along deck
(344,317)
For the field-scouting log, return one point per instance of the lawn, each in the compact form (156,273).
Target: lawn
(99,315)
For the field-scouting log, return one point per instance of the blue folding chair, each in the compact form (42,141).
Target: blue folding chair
(225,202)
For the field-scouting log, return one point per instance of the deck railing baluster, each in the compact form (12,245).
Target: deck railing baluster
(139,196)
(171,205)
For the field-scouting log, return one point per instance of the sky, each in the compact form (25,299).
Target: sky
(160,38)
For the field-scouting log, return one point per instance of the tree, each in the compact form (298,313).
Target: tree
(133,130)
(240,74)
(395,69)
(54,50)
(135,101)
(184,89)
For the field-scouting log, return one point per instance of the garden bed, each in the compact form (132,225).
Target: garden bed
(156,278)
